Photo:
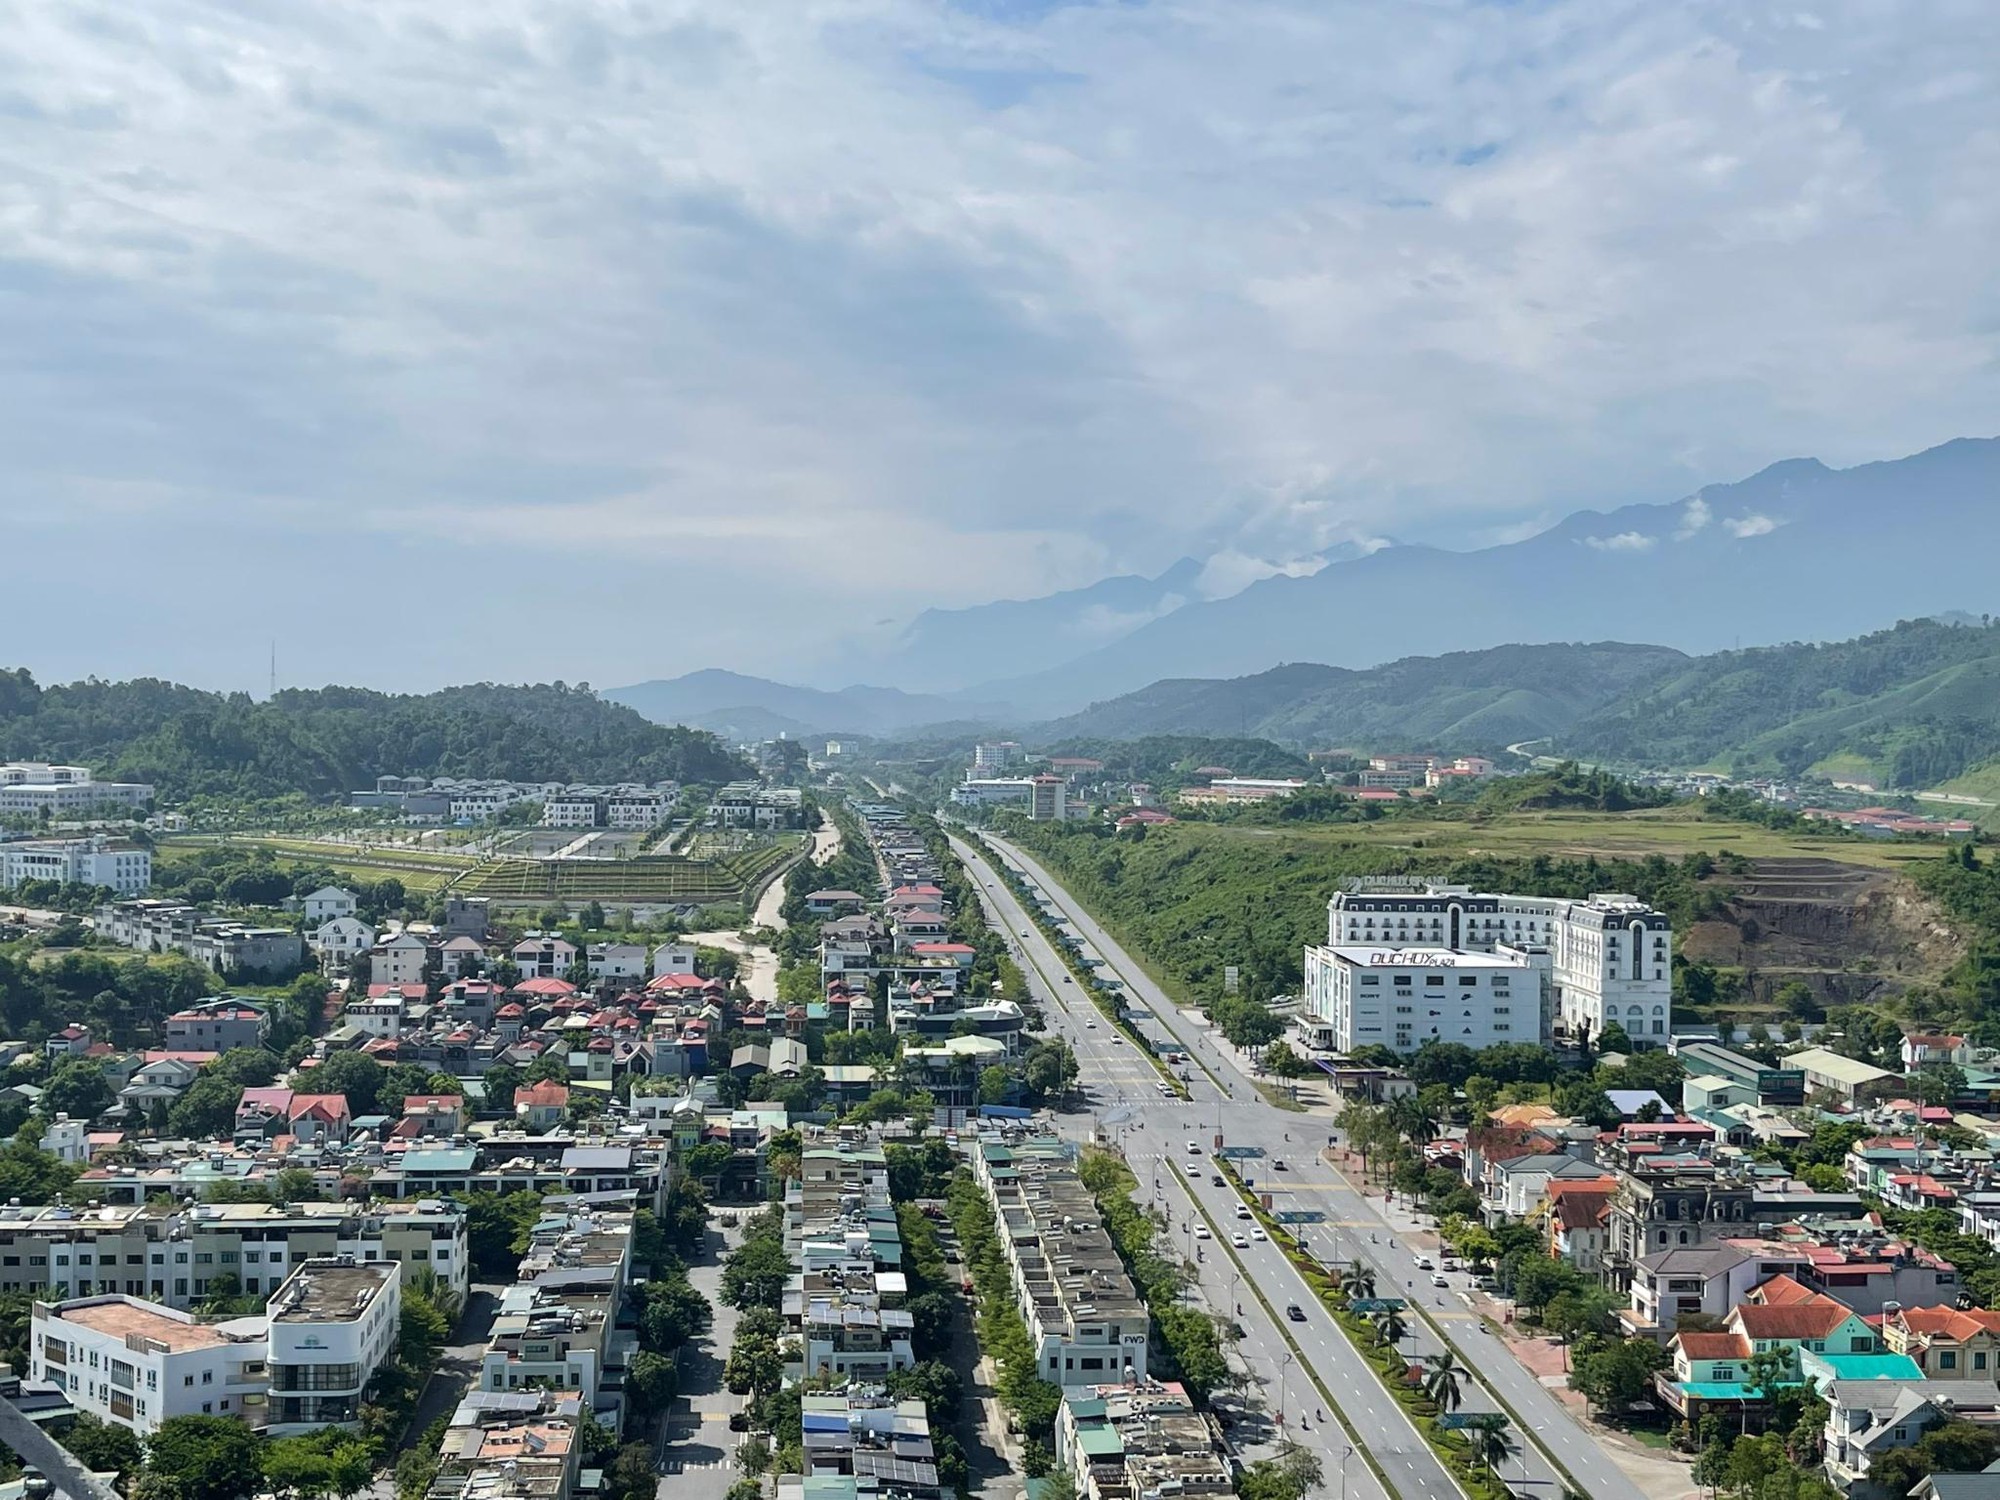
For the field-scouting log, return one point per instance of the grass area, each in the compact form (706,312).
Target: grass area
(351,865)
(1668,831)
(1848,766)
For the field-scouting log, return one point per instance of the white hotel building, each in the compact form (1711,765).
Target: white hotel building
(1401,998)
(1610,957)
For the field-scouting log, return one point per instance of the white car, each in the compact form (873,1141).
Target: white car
(1201,1231)
(1194,1169)
(1239,1242)
(1194,1148)
(1258,1234)
(1243,1211)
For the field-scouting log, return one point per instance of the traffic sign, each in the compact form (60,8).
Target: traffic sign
(1460,1420)
(1299,1216)
(1376,1304)
(1240,1153)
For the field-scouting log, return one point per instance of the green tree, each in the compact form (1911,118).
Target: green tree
(354,1074)
(78,1090)
(326,1465)
(1443,1381)
(652,1379)
(102,1447)
(203,1458)
(1493,1446)
(755,1273)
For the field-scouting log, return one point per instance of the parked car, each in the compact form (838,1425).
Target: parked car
(739,1421)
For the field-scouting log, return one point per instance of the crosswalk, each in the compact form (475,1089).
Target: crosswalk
(689,1466)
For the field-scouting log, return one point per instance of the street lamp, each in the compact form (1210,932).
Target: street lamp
(1346,1451)
(1283,1364)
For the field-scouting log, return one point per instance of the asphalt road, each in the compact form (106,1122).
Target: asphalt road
(1158,1130)
(1121,1086)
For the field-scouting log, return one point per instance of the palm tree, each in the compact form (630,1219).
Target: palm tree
(1357,1281)
(1441,1381)
(1492,1446)
(1390,1327)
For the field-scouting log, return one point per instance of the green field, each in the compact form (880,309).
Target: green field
(419,870)
(1670,831)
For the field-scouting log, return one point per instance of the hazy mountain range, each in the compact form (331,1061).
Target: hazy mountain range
(1796,552)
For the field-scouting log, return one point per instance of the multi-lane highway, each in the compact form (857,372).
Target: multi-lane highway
(1154,1134)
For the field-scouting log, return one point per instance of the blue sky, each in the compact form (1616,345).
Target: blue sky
(604,339)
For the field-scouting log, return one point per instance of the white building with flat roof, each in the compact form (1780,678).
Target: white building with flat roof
(993,791)
(135,1364)
(1612,954)
(33,786)
(1400,998)
(112,863)
(333,1323)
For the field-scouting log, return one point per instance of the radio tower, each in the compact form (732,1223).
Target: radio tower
(274,666)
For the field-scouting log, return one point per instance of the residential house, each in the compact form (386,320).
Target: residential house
(624,963)
(1867,1418)
(1924,1050)
(217,1025)
(1579,1212)
(339,941)
(319,1117)
(542,1106)
(1948,1343)
(544,955)
(326,904)
(399,959)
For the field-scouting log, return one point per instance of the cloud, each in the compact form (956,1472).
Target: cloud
(1752,525)
(950,301)
(1694,516)
(1624,541)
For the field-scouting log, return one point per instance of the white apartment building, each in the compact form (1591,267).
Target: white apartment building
(582,809)
(1048,799)
(135,1364)
(332,1325)
(638,809)
(124,868)
(1612,955)
(993,791)
(998,756)
(36,787)
(1401,998)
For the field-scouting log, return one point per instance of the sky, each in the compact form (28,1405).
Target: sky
(604,339)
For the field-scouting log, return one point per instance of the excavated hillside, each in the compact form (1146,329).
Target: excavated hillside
(1850,932)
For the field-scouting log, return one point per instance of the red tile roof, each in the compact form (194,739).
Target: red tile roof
(1814,1319)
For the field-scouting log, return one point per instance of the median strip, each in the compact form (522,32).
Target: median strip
(1285,1333)
(1314,1276)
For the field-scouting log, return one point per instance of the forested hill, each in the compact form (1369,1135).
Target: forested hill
(1907,707)
(330,741)
(1464,700)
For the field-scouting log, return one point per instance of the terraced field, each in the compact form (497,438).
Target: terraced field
(660,879)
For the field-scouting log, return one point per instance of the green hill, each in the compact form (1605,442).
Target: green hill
(1467,700)
(1917,704)
(330,741)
